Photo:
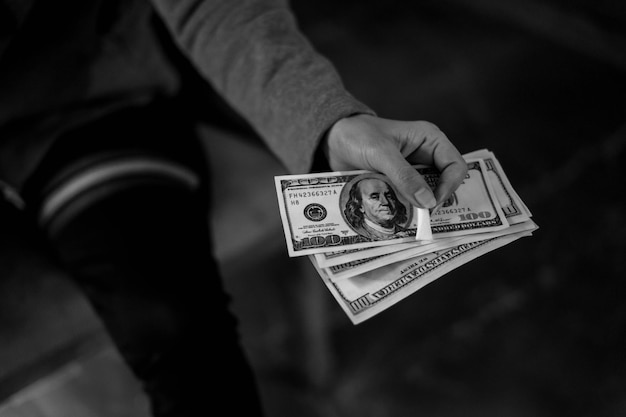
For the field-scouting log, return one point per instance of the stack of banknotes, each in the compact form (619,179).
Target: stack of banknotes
(372,248)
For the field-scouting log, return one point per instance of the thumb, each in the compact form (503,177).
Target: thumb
(409,183)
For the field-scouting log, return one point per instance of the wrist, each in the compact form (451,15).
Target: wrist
(341,129)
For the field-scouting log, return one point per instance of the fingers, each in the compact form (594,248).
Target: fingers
(390,147)
(409,183)
(452,167)
(436,149)
(450,179)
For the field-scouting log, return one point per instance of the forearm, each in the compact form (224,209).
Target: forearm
(254,55)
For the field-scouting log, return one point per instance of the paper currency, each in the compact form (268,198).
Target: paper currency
(350,269)
(372,249)
(327,259)
(512,205)
(514,208)
(363,296)
(424,232)
(360,209)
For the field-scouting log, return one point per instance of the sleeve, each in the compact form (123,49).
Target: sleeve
(254,55)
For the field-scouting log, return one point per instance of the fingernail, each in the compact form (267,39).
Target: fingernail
(425,198)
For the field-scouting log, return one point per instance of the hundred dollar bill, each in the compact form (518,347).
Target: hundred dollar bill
(363,296)
(328,259)
(472,208)
(424,233)
(512,205)
(350,269)
(360,209)
(360,266)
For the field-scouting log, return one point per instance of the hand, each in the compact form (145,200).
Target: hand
(390,147)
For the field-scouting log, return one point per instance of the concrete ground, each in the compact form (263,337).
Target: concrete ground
(537,328)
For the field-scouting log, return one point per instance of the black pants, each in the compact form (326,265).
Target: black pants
(140,248)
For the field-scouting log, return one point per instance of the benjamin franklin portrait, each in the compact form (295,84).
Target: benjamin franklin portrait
(373,209)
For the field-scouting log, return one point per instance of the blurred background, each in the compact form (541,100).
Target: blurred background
(537,328)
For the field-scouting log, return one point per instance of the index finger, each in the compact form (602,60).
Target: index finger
(437,150)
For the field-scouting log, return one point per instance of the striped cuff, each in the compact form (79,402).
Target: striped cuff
(86,186)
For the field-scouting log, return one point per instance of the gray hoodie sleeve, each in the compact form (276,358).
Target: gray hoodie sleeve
(252,53)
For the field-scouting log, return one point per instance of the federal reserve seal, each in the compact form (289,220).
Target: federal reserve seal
(315,212)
